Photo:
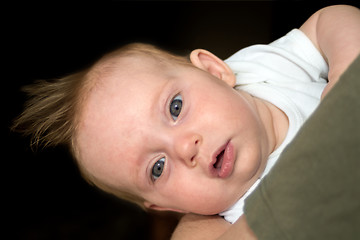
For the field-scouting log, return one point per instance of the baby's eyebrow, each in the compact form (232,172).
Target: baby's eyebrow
(161,98)
(140,175)
(142,180)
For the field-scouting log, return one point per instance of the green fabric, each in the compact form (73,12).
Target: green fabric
(313,192)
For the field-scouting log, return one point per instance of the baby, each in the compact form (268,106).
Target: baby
(188,135)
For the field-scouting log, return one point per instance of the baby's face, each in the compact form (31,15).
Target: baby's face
(177,136)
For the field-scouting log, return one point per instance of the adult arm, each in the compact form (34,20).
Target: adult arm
(197,227)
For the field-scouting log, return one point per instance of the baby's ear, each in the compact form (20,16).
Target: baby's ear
(207,61)
(158,208)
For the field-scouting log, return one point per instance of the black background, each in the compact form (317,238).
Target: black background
(44,196)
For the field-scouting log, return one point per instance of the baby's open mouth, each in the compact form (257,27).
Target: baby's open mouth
(223,163)
(219,160)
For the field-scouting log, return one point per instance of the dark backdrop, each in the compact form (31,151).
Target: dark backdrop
(45,198)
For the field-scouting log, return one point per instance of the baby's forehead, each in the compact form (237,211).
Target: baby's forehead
(121,76)
(128,65)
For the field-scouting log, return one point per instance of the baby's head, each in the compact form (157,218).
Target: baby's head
(157,129)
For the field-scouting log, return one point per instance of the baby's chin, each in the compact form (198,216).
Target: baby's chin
(216,209)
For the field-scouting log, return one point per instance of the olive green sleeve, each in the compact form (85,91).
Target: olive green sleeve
(313,192)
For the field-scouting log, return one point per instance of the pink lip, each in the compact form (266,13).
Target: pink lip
(228,161)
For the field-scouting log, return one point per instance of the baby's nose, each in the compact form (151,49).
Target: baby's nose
(187,147)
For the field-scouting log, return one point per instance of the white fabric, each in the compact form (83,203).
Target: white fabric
(289,73)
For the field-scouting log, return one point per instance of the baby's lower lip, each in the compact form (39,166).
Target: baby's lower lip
(228,161)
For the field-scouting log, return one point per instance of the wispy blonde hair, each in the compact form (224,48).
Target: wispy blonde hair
(52,112)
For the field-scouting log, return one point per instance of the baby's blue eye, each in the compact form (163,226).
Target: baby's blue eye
(158,168)
(175,106)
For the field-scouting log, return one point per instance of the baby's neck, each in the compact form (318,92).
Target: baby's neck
(275,121)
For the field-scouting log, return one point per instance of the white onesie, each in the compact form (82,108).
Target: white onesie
(289,73)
